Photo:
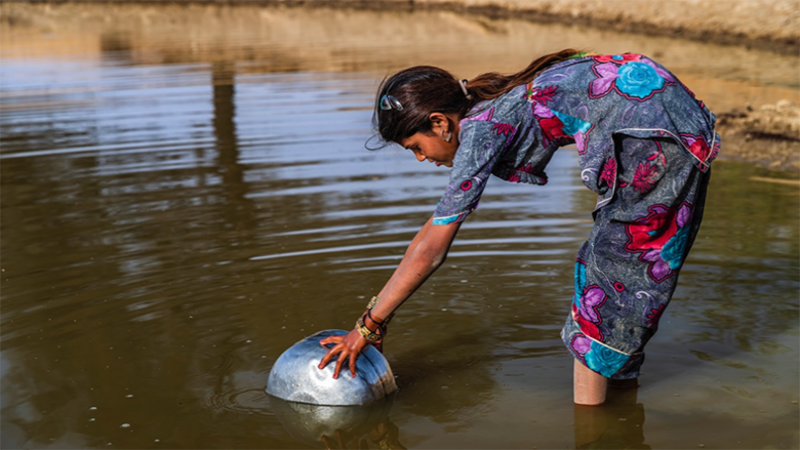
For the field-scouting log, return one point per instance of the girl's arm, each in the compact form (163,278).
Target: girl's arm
(413,245)
(425,254)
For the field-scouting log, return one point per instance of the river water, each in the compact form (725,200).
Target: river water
(185,194)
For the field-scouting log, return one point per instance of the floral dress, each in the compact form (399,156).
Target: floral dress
(644,145)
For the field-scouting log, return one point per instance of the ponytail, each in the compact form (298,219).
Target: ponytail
(491,85)
(407,98)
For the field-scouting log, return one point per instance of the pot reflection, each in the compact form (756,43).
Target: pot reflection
(339,426)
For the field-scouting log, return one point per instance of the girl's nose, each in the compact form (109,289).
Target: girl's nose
(420,157)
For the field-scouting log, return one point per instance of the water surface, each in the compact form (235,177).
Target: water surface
(185,194)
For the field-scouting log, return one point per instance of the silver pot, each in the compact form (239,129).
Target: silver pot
(295,376)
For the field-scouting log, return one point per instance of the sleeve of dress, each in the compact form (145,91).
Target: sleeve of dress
(481,144)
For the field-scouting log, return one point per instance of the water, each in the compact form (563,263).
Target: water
(185,194)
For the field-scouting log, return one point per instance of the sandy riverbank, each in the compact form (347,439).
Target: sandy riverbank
(314,35)
(768,136)
(765,24)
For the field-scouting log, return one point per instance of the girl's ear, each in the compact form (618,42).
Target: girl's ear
(439,122)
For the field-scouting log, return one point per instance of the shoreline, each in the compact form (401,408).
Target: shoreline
(765,132)
(768,136)
(772,25)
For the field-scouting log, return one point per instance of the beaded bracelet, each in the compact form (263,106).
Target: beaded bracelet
(369,335)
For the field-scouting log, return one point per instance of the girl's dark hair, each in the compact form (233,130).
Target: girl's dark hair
(407,98)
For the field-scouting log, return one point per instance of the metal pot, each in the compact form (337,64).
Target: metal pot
(295,376)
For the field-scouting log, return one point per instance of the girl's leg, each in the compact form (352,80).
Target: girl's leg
(589,388)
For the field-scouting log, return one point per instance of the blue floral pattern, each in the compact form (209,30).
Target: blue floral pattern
(638,79)
(604,360)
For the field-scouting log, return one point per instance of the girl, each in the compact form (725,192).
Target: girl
(644,146)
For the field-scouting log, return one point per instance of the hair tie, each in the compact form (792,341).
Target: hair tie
(463,85)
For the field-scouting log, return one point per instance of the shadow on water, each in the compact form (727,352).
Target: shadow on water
(185,194)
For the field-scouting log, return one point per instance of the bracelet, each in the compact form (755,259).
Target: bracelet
(372,302)
(366,333)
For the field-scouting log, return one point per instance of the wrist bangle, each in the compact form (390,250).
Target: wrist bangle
(372,302)
(366,333)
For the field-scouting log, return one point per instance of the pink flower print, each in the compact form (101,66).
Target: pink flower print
(503,128)
(684,215)
(541,96)
(485,116)
(586,314)
(581,344)
(607,74)
(645,177)
(592,298)
(652,315)
(609,173)
(542,112)
(514,178)
(526,168)
(659,269)
(580,141)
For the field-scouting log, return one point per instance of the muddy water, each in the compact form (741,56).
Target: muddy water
(185,194)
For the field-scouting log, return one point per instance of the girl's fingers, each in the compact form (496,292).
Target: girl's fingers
(331,340)
(345,349)
(353,364)
(339,362)
(331,353)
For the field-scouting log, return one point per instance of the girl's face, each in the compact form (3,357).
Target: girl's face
(431,146)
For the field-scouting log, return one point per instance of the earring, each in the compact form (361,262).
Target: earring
(448,137)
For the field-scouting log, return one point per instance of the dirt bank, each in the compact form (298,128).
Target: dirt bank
(754,92)
(766,24)
(768,136)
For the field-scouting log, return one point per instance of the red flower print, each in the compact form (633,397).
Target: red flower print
(653,315)
(645,177)
(503,128)
(619,59)
(661,239)
(609,172)
(653,231)
(697,145)
(700,149)
(552,128)
(587,327)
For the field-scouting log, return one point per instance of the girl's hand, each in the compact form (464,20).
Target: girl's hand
(347,347)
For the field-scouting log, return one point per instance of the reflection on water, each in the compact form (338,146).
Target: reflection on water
(185,194)
(339,426)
